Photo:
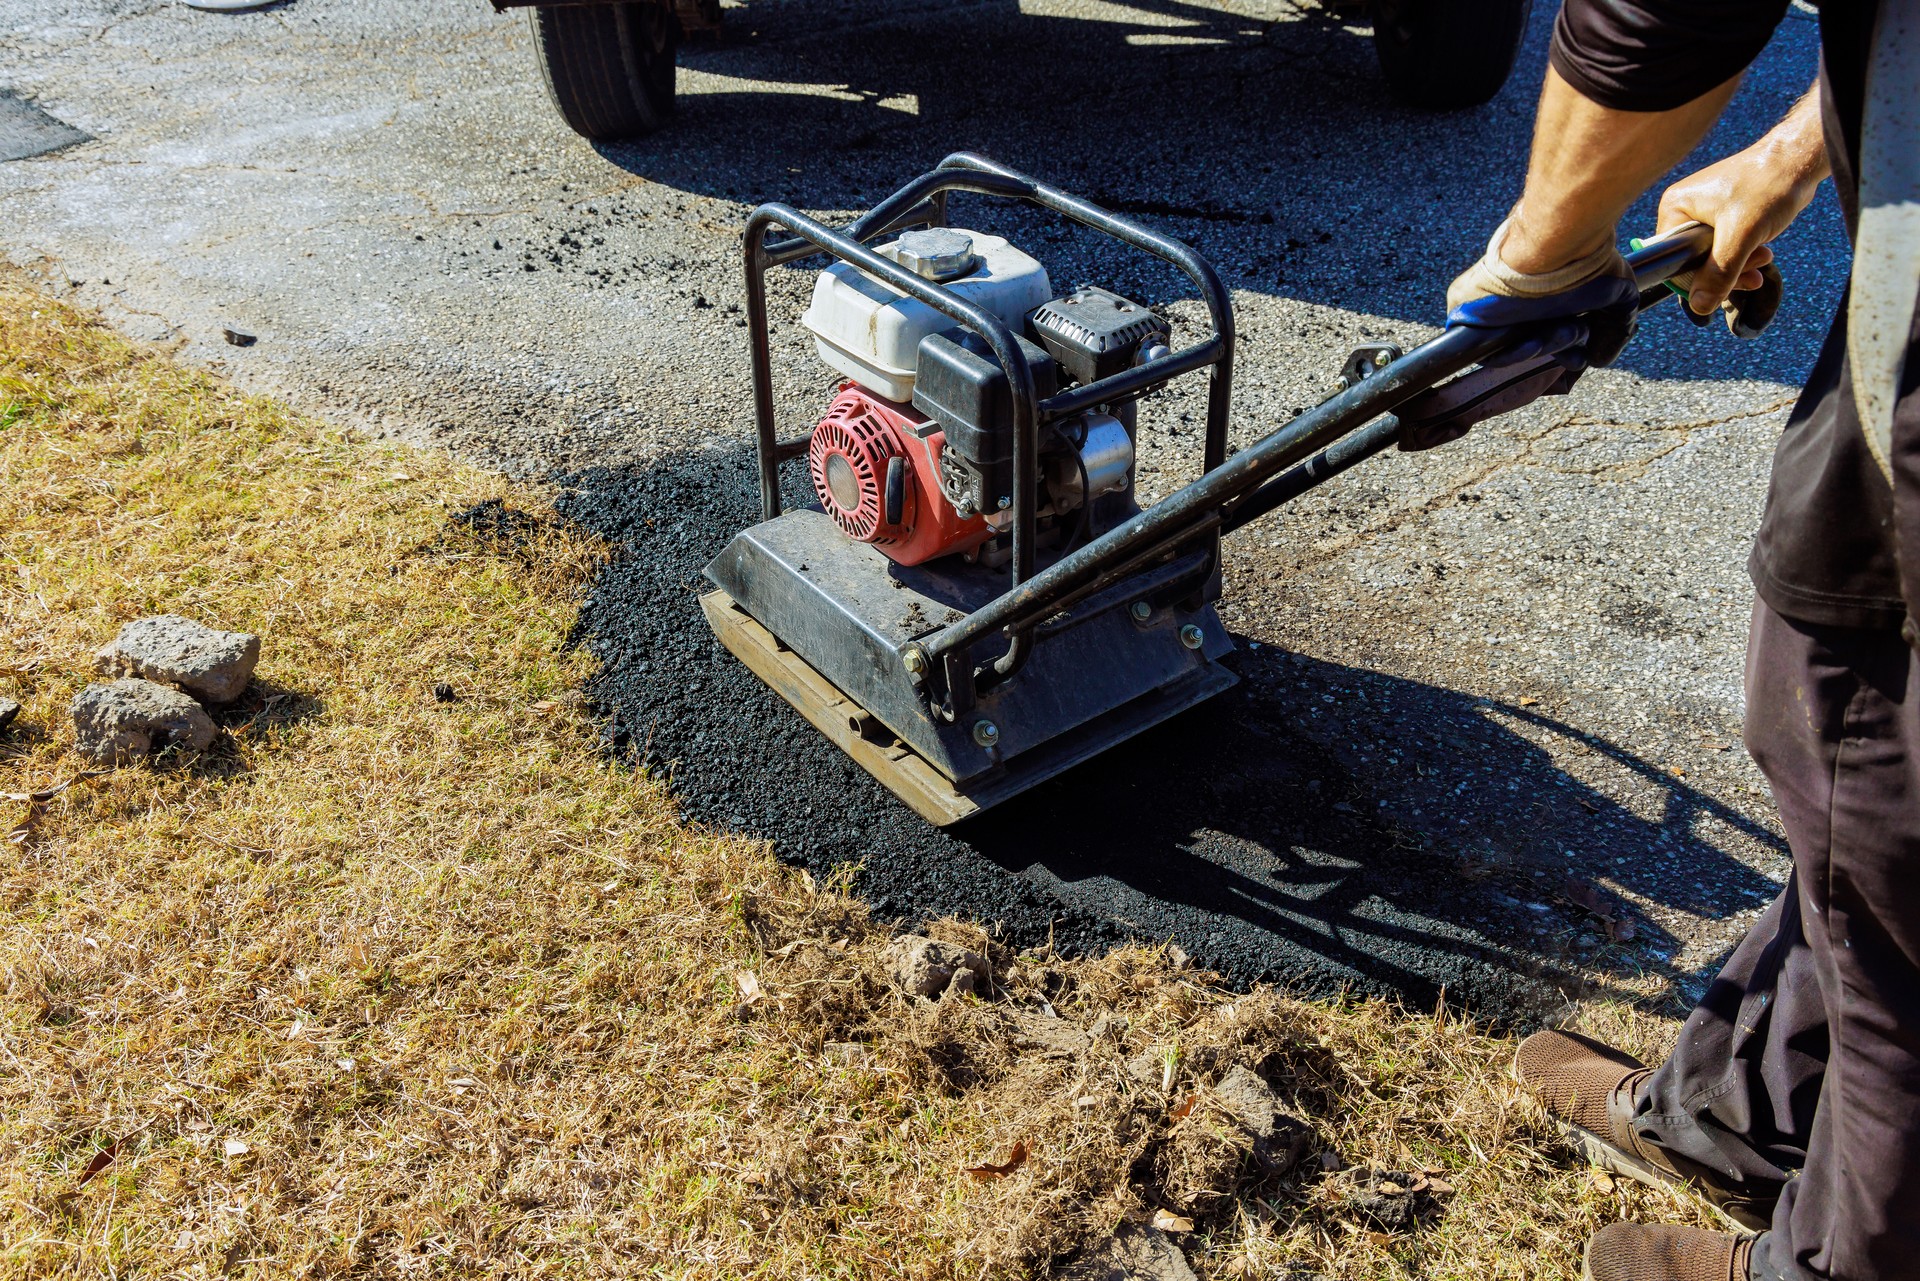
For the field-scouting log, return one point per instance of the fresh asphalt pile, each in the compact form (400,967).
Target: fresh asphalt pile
(1227,832)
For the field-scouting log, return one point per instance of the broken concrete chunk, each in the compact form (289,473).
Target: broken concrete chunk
(1134,1253)
(1149,1067)
(1249,1098)
(1278,1139)
(207,663)
(1054,1037)
(8,710)
(928,967)
(122,720)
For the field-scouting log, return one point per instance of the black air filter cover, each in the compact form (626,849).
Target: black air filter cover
(1094,332)
(959,384)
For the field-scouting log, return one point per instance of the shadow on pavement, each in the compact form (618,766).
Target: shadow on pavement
(1268,142)
(1454,865)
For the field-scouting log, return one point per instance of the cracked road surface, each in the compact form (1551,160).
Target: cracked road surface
(1479,677)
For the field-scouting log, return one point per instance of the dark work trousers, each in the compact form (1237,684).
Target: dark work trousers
(1799,1072)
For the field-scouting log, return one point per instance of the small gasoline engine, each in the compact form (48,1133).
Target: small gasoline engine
(915,454)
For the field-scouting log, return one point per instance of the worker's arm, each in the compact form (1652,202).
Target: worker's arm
(1555,258)
(1589,163)
(1630,89)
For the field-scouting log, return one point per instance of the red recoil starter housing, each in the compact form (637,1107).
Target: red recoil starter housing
(876,468)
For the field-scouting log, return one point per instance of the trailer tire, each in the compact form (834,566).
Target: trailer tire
(1447,54)
(609,68)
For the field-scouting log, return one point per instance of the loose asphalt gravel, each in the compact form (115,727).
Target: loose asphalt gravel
(1475,680)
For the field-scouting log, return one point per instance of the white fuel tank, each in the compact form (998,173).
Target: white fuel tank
(871,333)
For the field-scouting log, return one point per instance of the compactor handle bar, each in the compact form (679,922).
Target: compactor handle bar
(1189,511)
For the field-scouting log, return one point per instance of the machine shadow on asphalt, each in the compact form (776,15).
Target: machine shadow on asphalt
(1239,812)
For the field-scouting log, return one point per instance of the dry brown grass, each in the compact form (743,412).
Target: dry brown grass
(385,986)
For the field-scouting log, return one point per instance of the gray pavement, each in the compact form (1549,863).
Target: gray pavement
(1524,649)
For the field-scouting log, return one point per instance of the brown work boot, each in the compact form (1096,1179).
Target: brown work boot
(1664,1252)
(1590,1091)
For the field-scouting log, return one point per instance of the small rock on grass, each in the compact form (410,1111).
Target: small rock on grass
(125,719)
(208,663)
(8,710)
(1387,1199)
(1134,1253)
(928,967)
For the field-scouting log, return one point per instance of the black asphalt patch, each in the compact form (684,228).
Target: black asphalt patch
(26,130)
(1230,831)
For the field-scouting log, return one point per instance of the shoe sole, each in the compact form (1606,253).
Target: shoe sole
(1615,1160)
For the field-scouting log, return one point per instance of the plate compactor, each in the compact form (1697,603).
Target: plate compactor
(975,602)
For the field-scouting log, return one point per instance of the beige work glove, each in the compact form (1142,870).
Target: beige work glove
(1582,314)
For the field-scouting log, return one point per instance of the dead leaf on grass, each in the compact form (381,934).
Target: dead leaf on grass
(1601,1180)
(1612,913)
(101,1160)
(1015,1159)
(1166,1222)
(1186,1107)
(46,794)
(234,1147)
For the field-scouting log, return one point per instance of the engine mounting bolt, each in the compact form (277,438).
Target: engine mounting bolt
(1192,637)
(914,659)
(1343,382)
(1382,358)
(1005,502)
(1142,610)
(986,733)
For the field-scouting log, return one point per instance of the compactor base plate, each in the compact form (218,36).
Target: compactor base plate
(905,773)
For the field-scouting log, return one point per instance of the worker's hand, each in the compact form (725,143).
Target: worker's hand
(1585,308)
(1748,199)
